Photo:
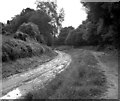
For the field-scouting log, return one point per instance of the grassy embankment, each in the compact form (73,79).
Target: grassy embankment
(19,56)
(81,80)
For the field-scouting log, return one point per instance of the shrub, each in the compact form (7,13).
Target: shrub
(15,48)
(20,35)
(29,30)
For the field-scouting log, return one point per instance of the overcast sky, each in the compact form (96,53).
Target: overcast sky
(74,12)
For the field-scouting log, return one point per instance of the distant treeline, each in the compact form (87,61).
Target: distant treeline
(101,28)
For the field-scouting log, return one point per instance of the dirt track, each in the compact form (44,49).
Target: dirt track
(19,85)
(110,70)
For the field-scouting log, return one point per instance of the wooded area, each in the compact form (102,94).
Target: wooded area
(100,29)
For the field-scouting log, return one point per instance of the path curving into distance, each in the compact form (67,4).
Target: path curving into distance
(19,85)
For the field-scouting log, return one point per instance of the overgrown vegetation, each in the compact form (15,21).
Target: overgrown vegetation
(13,49)
(24,64)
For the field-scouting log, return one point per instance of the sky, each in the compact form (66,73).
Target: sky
(74,12)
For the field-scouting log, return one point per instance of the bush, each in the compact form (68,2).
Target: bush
(20,35)
(75,38)
(29,30)
(15,48)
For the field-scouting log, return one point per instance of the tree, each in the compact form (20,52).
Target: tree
(70,38)
(105,15)
(41,19)
(38,17)
(46,17)
(50,8)
(18,20)
(63,34)
(75,37)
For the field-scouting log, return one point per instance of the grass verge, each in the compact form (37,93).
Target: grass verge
(24,64)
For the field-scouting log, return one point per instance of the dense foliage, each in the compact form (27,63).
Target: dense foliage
(50,8)
(75,38)
(28,33)
(13,49)
(46,17)
(101,28)
(60,40)
(106,18)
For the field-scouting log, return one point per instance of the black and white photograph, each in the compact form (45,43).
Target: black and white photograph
(59,50)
